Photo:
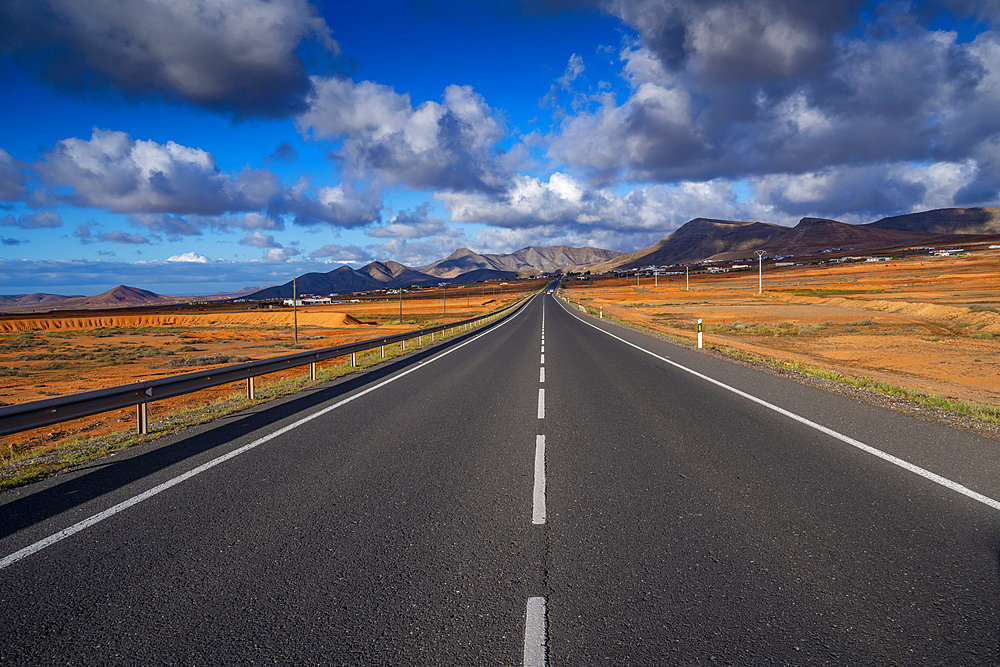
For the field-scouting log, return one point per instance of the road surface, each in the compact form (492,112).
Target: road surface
(550,490)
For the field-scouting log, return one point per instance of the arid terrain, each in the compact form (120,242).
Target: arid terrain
(62,353)
(927,323)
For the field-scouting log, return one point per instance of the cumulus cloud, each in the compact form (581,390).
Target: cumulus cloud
(450,145)
(189,257)
(280,254)
(234,56)
(117,173)
(738,40)
(12,177)
(259,240)
(40,220)
(410,225)
(565,207)
(344,205)
(921,96)
(338,253)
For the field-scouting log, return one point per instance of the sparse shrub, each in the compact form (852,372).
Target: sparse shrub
(206,360)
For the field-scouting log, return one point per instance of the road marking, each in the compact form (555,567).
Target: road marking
(538,495)
(541,374)
(543,347)
(135,500)
(543,358)
(541,404)
(534,633)
(905,465)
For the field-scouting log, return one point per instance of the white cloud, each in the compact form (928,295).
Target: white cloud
(259,239)
(117,173)
(338,253)
(190,257)
(410,225)
(449,145)
(280,254)
(344,205)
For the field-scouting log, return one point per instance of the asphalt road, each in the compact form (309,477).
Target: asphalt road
(540,492)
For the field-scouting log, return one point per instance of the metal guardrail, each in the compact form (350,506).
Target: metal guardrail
(36,414)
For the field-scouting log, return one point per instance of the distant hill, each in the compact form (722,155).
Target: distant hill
(945,221)
(36,300)
(702,238)
(117,297)
(395,274)
(526,261)
(460,267)
(482,275)
(698,239)
(813,235)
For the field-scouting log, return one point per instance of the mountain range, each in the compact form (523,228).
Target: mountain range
(720,240)
(698,240)
(463,266)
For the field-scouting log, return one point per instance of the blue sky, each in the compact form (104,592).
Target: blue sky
(205,145)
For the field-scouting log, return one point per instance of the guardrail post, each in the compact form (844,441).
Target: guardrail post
(141,422)
(312,372)
(250,392)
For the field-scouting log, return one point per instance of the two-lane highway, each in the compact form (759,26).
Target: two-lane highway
(552,490)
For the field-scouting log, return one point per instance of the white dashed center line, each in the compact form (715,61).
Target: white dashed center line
(538,497)
(534,633)
(541,404)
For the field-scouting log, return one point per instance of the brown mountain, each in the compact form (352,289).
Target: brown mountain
(702,238)
(526,261)
(945,221)
(395,274)
(118,297)
(698,239)
(814,235)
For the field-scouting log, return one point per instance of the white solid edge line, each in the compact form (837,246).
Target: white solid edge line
(906,465)
(538,495)
(111,511)
(541,404)
(534,633)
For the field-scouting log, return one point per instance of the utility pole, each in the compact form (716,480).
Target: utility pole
(444,299)
(687,277)
(295,310)
(400,306)
(760,274)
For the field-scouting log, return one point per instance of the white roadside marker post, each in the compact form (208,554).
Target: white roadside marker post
(699,333)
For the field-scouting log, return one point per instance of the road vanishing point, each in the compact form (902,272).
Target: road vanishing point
(548,490)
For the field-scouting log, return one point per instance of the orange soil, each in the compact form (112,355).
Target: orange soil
(53,355)
(927,323)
